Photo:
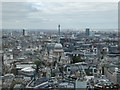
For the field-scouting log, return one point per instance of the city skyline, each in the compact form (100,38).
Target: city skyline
(56,44)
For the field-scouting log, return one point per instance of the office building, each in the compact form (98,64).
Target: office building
(87,31)
(58,29)
(24,32)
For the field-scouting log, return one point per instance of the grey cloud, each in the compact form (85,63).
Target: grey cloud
(69,15)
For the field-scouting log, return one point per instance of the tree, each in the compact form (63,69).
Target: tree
(102,57)
(38,64)
(77,59)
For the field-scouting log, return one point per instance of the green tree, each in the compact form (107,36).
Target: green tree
(38,64)
(102,57)
(77,59)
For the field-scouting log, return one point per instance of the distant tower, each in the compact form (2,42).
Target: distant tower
(87,31)
(58,29)
(24,32)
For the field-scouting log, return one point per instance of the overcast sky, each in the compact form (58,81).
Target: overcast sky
(70,15)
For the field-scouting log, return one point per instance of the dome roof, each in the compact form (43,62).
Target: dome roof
(58,46)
